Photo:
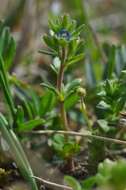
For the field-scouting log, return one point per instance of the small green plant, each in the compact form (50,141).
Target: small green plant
(65,45)
(111,174)
(108,112)
(109,92)
(65,149)
(111,101)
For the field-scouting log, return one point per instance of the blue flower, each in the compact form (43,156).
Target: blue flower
(64,34)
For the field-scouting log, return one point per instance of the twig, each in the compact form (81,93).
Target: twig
(52,183)
(73,133)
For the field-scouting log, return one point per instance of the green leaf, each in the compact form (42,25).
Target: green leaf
(80,47)
(78,30)
(18,152)
(48,100)
(51,42)
(70,149)
(72,182)
(73,46)
(7,47)
(53,26)
(48,52)
(104,125)
(103,105)
(56,64)
(89,183)
(50,87)
(27,107)
(58,142)
(120,104)
(72,86)
(35,102)
(6,86)
(20,114)
(66,20)
(29,125)
(3,119)
(54,68)
(75,59)
(71,100)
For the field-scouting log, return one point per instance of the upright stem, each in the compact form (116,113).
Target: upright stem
(84,112)
(60,78)
(64,116)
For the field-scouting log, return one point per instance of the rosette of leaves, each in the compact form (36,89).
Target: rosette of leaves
(64,149)
(64,33)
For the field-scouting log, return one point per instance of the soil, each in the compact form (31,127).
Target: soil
(79,171)
(9,174)
(46,170)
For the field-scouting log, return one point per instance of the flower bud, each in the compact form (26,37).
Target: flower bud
(81,92)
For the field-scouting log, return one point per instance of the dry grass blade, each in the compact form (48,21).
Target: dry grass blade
(52,183)
(84,134)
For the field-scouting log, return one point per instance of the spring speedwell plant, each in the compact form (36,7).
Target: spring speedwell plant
(64,43)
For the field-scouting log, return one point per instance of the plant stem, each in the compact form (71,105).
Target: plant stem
(64,116)
(60,78)
(83,109)
(52,183)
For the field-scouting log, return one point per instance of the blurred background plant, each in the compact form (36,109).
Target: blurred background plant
(110,176)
